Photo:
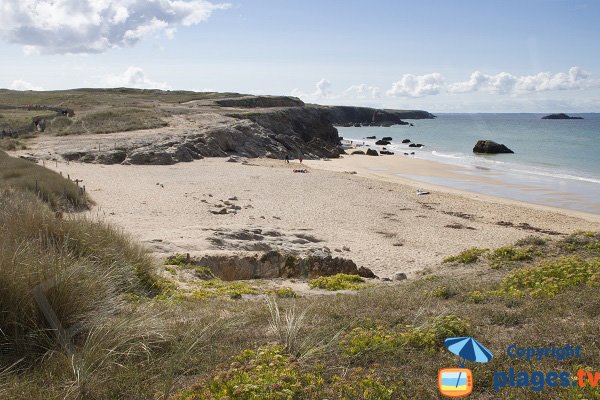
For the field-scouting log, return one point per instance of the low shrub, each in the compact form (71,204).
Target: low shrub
(369,339)
(269,374)
(337,282)
(431,336)
(468,256)
(284,292)
(508,254)
(550,277)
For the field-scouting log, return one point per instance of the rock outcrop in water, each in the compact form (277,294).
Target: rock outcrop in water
(490,147)
(560,116)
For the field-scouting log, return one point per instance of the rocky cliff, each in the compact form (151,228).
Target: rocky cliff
(365,116)
(205,125)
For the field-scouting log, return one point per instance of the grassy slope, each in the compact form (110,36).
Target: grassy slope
(96,110)
(51,187)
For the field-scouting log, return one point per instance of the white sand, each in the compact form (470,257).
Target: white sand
(376,215)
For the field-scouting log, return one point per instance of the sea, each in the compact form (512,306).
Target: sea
(555,162)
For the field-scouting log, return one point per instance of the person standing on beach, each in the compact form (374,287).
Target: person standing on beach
(300,158)
(287,158)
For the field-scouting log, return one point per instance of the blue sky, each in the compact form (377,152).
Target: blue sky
(463,56)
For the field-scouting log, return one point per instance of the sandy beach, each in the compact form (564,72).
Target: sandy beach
(352,207)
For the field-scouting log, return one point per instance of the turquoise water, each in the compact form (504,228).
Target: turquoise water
(556,162)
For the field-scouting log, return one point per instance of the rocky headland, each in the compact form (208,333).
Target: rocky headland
(172,127)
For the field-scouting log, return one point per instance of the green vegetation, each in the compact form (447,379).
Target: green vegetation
(271,374)
(217,287)
(550,277)
(109,120)
(506,255)
(337,282)
(284,292)
(58,192)
(375,339)
(178,259)
(468,256)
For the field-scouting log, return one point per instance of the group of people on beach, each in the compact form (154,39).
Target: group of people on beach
(287,158)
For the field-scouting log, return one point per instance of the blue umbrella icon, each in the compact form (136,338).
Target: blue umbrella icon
(467,348)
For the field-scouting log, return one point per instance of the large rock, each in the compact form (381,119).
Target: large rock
(560,116)
(274,264)
(372,152)
(382,142)
(490,147)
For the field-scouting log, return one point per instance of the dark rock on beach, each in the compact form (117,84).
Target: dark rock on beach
(372,152)
(382,142)
(490,147)
(406,141)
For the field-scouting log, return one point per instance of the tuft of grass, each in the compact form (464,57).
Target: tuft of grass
(60,193)
(11,144)
(443,292)
(83,269)
(178,259)
(337,282)
(468,256)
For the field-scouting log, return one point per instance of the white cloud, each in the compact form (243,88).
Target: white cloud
(417,85)
(134,77)
(23,85)
(506,83)
(323,92)
(362,91)
(94,26)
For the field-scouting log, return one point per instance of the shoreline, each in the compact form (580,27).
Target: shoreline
(405,169)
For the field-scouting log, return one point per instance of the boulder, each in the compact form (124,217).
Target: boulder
(360,152)
(399,276)
(372,152)
(388,138)
(366,273)
(406,141)
(371,137)
(490,147)
(387,152)
(382,142)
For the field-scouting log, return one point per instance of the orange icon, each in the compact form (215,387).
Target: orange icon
(455,382)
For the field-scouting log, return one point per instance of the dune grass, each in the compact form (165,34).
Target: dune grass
(49,186)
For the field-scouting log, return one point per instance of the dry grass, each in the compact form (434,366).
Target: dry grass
(49,186)
(118,119)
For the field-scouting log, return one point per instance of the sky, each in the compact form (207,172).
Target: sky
(441,56)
